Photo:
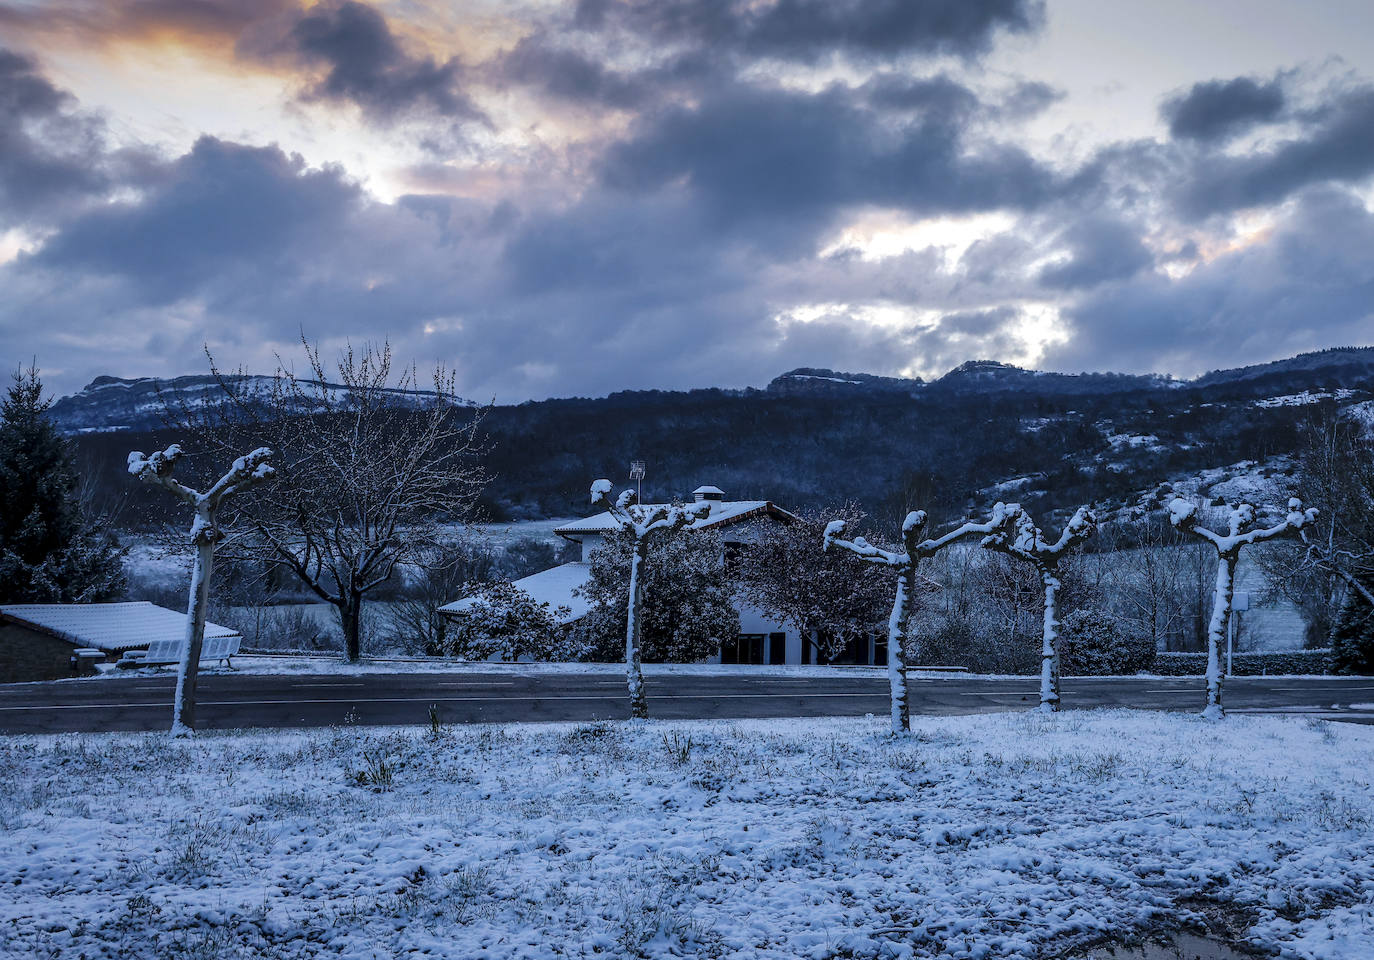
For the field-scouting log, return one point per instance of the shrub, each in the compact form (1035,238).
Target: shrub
(1246,664)
(1098,645)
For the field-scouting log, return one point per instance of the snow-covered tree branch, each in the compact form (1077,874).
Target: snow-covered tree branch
(1016,535)
(640,522)
(904,562)
(246,471)
(1241,531)
(372,468)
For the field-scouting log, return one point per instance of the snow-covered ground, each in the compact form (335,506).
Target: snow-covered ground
(278,665)
(1009,835)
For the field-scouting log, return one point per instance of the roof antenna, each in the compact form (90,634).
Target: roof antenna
(637,475)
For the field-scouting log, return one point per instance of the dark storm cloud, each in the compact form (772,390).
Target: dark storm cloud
(220,207)
(364,62)
(1220,109)
(808,30)
(50,156)
(786,160)
(1335,144)
(1309,284)
(1101,248)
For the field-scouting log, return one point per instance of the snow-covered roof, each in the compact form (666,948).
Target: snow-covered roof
(708,490)
(111,627)
(722,512)
(554,586)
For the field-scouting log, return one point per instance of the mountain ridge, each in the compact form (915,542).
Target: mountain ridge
(110,403)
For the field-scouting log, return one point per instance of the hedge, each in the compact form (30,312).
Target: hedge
(1246,664)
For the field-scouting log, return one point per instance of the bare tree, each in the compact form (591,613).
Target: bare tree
(1016,535)
(904,562)
(370,472)
(642,523)
(247,471)
(1240,531)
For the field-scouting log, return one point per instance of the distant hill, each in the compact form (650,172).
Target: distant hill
(982,432)
(109,404)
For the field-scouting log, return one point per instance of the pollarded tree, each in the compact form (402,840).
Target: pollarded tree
(687,608)
(642,524)
(247,471)
(904,562)
(1016,535)
(1241,531)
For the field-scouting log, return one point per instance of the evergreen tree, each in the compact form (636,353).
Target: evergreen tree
(49,551)
(1352,642)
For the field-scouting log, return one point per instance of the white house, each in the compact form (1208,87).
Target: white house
(760,640)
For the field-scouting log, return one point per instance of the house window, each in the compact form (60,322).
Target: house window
(745,648)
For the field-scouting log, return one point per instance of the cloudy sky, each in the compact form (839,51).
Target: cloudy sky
(573,198)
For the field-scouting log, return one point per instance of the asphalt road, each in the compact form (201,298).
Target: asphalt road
(227,701)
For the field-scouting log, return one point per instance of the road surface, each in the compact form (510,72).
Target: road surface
(228,701)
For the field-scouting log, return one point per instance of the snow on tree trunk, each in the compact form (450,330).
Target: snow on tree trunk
(250,469)
(641,522)
(184,701)
(639,706)
(1216,631)
(1049,644)
(896,651)
(1240,531)
(905,563)
(1016,535)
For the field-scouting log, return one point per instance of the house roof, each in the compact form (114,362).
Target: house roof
(723,512)
(111,627)
(554,586)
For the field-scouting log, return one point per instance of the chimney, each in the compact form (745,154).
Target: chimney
(708,494)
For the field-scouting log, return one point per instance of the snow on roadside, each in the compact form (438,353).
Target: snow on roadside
(334,665)
(1006,835)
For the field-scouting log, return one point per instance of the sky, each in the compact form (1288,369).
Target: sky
(568,199)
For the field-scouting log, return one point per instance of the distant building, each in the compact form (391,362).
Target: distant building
(760,640)
(47,641)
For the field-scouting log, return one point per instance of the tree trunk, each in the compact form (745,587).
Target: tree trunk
(184,701)
(1216,632)
(639,705)
(896,652)
(1049,644)
(350,619)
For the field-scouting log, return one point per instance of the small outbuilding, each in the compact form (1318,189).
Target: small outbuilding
(47,641)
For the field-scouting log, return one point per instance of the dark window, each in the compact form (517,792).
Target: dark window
(777,648)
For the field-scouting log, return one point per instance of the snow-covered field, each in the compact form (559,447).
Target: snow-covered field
(1008,835)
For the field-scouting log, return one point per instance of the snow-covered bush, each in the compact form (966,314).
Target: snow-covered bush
(1250,664)
(1096,644)
(503,621)
(687,609)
